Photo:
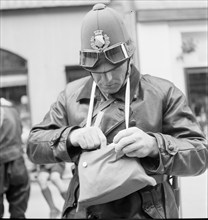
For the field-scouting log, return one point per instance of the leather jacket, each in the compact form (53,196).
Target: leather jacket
(158,108)
(10,134)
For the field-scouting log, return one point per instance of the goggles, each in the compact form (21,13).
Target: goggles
(114,54)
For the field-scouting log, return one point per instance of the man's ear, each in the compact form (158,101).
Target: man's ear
(130,62)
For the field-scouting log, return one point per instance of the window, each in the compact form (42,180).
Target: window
(197,90)
(75,72)
(13,73)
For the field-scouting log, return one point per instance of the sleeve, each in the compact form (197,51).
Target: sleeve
(48,141)
(183,148)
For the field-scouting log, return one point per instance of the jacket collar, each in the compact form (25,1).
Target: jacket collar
(86,90)
(120,95)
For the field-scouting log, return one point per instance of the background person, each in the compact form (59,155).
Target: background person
(26,126)
(201,117)
(52,173)
(165,135)
(14,177)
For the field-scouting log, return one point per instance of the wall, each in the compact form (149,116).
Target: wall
(49,40)
(159,45)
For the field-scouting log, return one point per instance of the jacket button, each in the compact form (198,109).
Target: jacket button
(74,204)
(51,145)
(171,147)
(84,164)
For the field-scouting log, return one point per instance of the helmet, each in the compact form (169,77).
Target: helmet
(105,42)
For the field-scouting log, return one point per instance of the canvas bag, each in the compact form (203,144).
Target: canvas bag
(105,176)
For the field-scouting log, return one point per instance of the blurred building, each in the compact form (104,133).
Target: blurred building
(40,43)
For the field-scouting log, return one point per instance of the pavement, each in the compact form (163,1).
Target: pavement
(37,206)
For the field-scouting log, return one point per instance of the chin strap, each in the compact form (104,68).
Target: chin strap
(90,110)
(127,102)
(2,116)
(127,99)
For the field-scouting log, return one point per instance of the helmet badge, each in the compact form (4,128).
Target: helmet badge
(99,41)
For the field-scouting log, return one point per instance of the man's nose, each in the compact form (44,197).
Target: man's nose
(108,76)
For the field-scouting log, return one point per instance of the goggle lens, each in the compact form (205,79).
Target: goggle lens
(88,59)
(116,54)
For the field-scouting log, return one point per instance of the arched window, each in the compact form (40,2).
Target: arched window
(14,82)
(13,73)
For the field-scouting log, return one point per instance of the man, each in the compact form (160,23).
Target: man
(14,177)
(163,131)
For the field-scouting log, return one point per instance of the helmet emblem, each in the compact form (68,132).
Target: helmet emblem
(99,41)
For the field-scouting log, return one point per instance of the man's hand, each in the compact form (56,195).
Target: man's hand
(135,143)
(88,138)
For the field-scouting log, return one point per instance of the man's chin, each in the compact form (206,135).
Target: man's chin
(109,91)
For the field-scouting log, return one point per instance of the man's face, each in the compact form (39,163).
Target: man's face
(112,81)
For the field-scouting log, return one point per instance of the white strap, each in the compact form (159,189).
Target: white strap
(90,111)
(1,116)
(127,102)
(100,114)
(98,119)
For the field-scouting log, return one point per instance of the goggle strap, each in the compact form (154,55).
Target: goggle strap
(124,50)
